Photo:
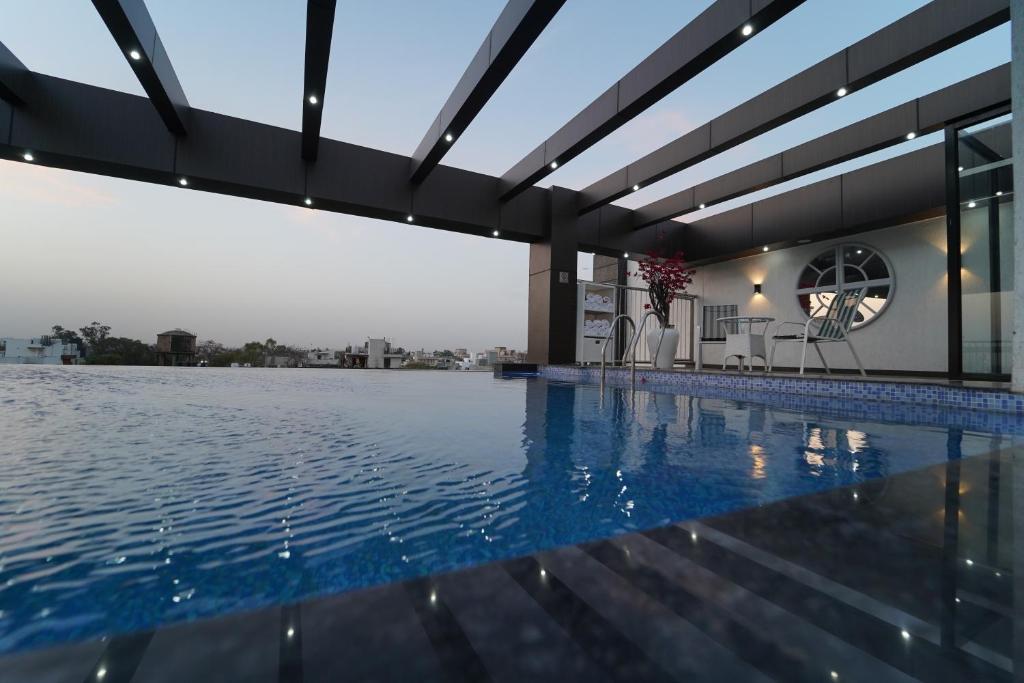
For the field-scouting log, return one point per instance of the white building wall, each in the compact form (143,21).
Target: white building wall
(911,333)
(35,351)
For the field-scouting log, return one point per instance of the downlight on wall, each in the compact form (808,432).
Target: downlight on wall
(757,288)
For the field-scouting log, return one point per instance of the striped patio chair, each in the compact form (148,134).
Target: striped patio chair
(834,326)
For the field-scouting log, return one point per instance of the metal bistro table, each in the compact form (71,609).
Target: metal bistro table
(745,345)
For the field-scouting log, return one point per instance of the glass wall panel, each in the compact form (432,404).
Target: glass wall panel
(985,171)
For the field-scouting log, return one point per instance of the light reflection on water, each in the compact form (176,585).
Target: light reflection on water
(131,497)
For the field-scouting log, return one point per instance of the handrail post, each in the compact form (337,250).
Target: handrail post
(604,347)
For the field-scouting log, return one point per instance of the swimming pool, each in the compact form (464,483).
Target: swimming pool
(131,497)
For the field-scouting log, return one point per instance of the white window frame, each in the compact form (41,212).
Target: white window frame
(841,284)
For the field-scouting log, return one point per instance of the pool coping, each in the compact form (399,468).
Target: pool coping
(988,399)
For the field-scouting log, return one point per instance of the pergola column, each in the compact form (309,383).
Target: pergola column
(551,328)
(1017,131)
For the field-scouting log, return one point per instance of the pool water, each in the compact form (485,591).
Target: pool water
(132,497)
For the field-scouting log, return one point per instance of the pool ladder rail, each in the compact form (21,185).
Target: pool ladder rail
(630,346)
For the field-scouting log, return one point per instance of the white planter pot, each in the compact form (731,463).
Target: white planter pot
(667,354)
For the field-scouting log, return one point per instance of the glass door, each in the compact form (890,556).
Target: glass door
(981,231)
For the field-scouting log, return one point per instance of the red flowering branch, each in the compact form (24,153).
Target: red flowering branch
(666,275)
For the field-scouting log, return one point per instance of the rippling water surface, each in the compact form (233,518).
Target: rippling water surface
(131,497)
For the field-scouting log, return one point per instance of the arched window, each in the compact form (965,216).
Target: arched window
(843,267)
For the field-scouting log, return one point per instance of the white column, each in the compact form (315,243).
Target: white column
(1017,48)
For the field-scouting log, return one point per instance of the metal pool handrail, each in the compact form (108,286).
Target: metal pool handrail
(632,348)
(608,337)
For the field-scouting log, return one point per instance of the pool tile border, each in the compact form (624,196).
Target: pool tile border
(961,398)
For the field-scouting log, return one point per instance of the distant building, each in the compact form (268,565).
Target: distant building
(326,358)
(379,354)
(375,353)
(176,347)
(38,351)
(279,362)
(461,354)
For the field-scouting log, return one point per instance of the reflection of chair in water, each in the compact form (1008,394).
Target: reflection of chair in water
(834,326)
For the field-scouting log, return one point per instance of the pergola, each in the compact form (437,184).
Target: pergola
(162,139)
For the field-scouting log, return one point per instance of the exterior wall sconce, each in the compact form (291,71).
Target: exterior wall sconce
(757,288)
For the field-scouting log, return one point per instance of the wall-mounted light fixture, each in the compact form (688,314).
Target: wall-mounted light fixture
(757,288)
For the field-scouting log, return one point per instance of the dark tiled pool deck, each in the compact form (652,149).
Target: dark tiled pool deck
(905,578)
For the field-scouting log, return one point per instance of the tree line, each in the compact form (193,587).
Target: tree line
(98,347)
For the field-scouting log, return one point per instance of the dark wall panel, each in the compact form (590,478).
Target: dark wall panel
(233,151)
(459,199)
(806,212)
(753,176)
(693,145)
(666,208)
(526,213)
(966,97)
(905,187)
(782,102)
(591,124)
(726,233)
(93,128)
(5,122)
(355,176)
(859,138)
(927,31)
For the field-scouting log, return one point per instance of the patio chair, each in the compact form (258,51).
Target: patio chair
(834,326)
(712,331)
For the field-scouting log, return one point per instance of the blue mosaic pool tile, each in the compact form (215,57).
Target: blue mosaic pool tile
(961,398)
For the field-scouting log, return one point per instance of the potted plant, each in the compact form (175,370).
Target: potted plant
(667,276)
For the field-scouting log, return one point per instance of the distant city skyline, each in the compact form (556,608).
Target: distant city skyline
(144,258)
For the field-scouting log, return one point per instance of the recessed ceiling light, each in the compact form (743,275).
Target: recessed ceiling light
(911,135)
(969,561)
(28,156)
(906,634)
(841,92)
(626,255)
(554,165)
(635,188)
(999,193)
(764,248)
(313,99)
(747,29)
(860,251)
(971,205)
(309,201)
(960,169)
(408,219)
(135,54)
(495,233)
(448,137)
(183,182)
(702,206)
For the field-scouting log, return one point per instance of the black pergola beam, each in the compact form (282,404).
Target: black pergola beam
(515,30)
(13,75)
(84,128)
(923,115)
(319,31)
(713,34)
(133,30)
(936,27)
(900,190)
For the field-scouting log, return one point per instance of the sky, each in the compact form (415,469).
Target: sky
(143,258)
